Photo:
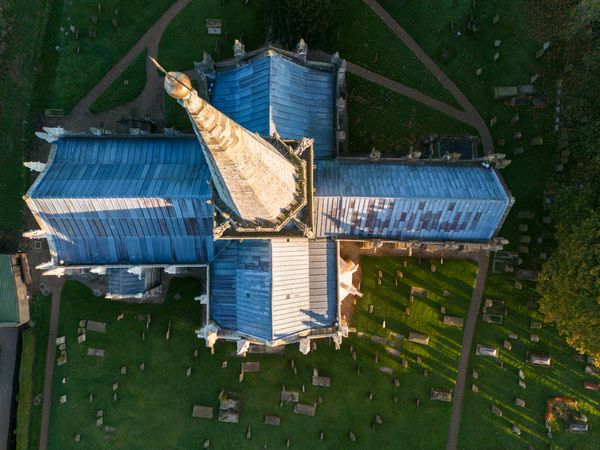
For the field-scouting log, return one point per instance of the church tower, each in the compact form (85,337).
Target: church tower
(254,180)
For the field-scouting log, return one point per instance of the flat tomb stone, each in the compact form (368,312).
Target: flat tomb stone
(250,366)
(418,338)
(441,395)
(418,291)
(229,416)
(379,339)
(321,381)
(203,412)
(99,327)
(454,321)
(290,396)
(535,325)
(272,420)
(387,370)
(538,359)
(520,402)
(591,385)
(578,427)
(392,351)
(592,370)
(98,352)
(265,349)
(484,350)
(305,409)
(507,344)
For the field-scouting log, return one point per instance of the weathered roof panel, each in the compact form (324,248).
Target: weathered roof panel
(274,93)
(408,201)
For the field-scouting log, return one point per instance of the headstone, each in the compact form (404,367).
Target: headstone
(474,388)
(249,432)
(535,325)
(475,374)
(520,402)
(493,121)
(99,421)
(115,397)
(63,399)
(352,437)
(305,409)
(497,43)
(250,366)
(407,310)
(120,316)
(496,56)
(99,327)
(202,412)
(77,437)
(142,366)
(370,309)
(370,396)
(521,374)
(496,19)
(91,397)
(497,411)
(534,78)
(206,444)
(523,228)
(115,386)
(418,359)
(513,336)
(321,381)
(98,352)
(188,372)
(507,345)
(396,382)
(386,370)
(81,338)
(479,71)
(123,370)
(522,384)
(99,413)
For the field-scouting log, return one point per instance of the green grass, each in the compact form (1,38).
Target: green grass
(500,386)
(76,73)
(390,122)
(27,21)
(31,374)
(365,40)
(530,172)
(118,92)
(161,397)
(186,37)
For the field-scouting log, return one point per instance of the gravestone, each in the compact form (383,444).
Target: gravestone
(99,421)
(520,402)
(521,374)
(98,327)
(522,384)
(534,338)
(496,19)
(497,411)
(290,396)
(321,381)
(474,388)
(274,421)
(202,412)
(115,386)
(513,336)
(493,121)
(188,372)
(523,228)
(123,370)
(386,370)
(516,430)
(478,72)
(497,43)
(305,409)
(63,399)
(496,56)
(142,366)
(97,352)
(507,345)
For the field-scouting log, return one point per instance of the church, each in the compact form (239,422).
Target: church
(259,198)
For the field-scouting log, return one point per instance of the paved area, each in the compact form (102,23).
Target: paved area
(465,352)
(475,119)
(56,286)
(8,359)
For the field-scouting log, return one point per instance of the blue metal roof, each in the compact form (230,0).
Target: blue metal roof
(408,201)
(273,93)
(126,201)
(269,289)
(125,284)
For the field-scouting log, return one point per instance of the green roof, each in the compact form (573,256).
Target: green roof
(9,302)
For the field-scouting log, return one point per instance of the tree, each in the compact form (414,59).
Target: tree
(315,21)
(570,285)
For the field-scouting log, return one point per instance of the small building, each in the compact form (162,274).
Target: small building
(418,338)
(483,350)
(441,395)
(14,308)
(538,359)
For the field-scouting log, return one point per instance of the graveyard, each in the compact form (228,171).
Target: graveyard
(135,375)
(146,386)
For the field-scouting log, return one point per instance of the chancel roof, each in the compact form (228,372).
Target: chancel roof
(274,289)
(405,200)
(273,93)
(125,201)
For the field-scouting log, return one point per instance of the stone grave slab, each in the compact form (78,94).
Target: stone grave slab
(387,370)
(250,367)
(202,412)
(272,420)
(418,338)
(379,339)
(305,409)
(290,396)
(98,352)
(392,351)
(497,411)
(453,321)
(99,327)
(229,416)
(321,381)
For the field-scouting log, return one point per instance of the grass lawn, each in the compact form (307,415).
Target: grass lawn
(186,37)
(161,397)
(460,56)
(390,122)
(25,21)
(31,374)
(76,73)
(365,40)
(500,386)
(118,92)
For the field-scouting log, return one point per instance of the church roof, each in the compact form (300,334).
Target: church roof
(274,93)
(128,200)
(404,200)
(273,289)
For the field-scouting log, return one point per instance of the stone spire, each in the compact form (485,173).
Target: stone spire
(252,178)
